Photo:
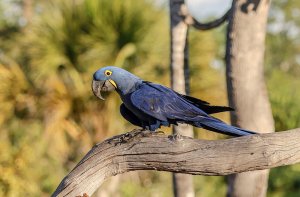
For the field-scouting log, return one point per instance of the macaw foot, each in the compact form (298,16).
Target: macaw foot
(126,137)
(175,137)
(159,132)
(141,129)
(146,132)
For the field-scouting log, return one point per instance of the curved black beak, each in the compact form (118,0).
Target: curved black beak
(98,86)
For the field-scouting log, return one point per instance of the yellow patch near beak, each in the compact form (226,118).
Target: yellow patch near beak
(113,83)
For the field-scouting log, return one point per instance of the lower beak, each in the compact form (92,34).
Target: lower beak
(98,86)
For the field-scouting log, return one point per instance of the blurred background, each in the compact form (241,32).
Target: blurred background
(49,118)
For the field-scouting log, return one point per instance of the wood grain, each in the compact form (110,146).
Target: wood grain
(142,150)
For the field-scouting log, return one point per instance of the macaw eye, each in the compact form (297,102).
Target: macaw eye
(107,72)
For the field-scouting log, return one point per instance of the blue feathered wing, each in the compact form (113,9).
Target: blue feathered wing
(167,105)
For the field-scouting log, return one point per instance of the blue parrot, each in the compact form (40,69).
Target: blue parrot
(150,106)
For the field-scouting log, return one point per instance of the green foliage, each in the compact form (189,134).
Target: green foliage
(49,118)
(285,181)
(283,37)
(152,183)
(284,98)
(282,70)
(210,186)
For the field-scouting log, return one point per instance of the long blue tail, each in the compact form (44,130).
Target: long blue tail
(217,125)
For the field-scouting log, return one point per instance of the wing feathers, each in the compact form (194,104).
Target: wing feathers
(205,105)
(166,105)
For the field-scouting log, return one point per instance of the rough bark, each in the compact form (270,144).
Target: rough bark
(246,87)
(139,150)
(182,183)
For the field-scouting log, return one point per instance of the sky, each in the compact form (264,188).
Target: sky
(203,9)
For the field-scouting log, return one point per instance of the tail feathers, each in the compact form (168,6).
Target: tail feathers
(203,105)
(215,109)
(218,126)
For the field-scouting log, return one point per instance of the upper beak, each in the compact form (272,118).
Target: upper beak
(98,86)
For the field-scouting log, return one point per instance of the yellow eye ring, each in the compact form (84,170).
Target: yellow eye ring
(107,72)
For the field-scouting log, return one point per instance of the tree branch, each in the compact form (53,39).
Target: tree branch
(142,150)
(204,26)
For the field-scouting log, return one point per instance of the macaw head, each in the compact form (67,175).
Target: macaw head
(112,78)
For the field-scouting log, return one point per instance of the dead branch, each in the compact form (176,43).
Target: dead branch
(190,20)
(142,150)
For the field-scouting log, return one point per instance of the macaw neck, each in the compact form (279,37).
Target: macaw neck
(128,87)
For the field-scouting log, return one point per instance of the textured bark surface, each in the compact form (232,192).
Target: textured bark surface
(246,86)
(138,150)
(182,183)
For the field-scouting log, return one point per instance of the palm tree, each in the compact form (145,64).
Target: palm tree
(47,103)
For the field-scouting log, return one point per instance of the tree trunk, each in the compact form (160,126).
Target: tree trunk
(245,83)
(182,183)
(27,10)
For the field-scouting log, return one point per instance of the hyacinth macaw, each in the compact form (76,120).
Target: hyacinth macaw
(150,106)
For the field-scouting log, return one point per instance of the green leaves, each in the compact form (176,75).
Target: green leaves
(284,98)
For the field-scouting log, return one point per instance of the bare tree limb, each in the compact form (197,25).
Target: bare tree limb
(140,150)
(190,20)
